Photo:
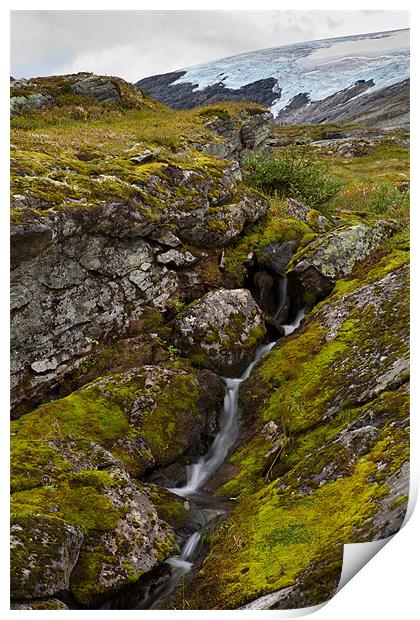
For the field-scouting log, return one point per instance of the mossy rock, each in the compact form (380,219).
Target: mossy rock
(147,416)
(80,528)
(44,551)
(221,331)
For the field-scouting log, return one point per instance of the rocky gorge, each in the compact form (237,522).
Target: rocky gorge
(197,364)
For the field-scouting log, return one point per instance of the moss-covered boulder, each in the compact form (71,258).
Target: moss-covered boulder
(323,457)
(79,522)
(333,255)
(221,331)
(44,551)
(147,417)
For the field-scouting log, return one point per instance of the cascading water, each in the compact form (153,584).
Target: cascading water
(289,329)
(199,473)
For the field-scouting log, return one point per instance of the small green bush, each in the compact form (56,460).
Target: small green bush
(294,173)
(385,199)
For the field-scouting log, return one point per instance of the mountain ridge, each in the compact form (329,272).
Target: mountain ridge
(298,76)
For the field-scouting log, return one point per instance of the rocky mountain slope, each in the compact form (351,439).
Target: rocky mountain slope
(147,270)
(359,79)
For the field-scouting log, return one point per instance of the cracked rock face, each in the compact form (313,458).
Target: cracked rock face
(84,275)
(97,87)
(57,549)
(221,331)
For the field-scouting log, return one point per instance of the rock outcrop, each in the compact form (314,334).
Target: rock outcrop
(186,95)
(221,331)
(84,273)
(333,255)
(249,131)
(384,107)
(80,521)
(47,92)
(89,531)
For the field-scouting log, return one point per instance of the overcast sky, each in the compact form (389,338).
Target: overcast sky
(135,44)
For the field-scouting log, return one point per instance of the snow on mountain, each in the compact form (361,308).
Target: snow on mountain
(279,76)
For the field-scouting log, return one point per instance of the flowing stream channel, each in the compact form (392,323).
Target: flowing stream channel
(199,473)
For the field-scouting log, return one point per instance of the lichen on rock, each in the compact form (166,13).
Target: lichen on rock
(221,331)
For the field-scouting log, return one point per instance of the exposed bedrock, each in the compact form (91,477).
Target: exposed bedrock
(85,275)
(185,95)
(333,255)
(81,522)
(381,107)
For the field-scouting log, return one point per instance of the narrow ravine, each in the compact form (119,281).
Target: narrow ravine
(199,473)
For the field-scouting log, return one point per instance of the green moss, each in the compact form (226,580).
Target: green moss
(81,505)
(169,507)
(295,530)
(399,501)
(32,461)
(256,337)
(87,414)
(274,227)
(166,427)
(85,582)
(51,604)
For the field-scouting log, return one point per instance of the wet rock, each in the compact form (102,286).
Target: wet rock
(277,256)
(50,603)
(333,255)
(180,513)
(265,291)
(221,331)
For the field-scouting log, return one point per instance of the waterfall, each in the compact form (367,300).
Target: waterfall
(199,473)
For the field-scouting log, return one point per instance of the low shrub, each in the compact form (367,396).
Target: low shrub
(295,172)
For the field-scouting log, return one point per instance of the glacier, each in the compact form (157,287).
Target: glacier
(317,68)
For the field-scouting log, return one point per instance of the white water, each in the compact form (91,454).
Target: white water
(282,297)
(200,472)
(181,561)
(289,329)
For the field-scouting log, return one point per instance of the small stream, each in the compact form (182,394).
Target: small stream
(199,473)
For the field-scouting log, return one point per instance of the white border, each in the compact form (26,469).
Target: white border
(387,586)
